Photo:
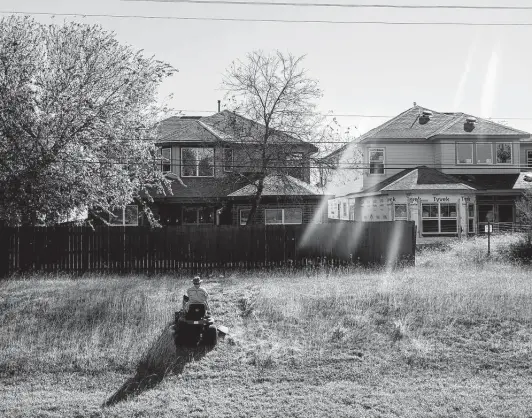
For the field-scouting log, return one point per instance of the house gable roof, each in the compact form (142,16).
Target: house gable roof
(411,126)
(223,126)
(279,185)
(417,178)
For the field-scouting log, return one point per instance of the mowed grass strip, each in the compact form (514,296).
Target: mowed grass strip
(450,337)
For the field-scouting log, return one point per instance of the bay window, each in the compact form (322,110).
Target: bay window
(504,153)
(484,153)
(464,153)
(197,162)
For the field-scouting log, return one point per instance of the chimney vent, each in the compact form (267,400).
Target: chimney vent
(471,119)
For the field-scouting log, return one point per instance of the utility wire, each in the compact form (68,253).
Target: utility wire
(344,166)
(228,19)
(346,5)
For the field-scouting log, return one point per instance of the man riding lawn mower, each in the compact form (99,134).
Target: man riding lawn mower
(193,323)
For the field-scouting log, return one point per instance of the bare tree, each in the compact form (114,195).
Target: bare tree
(77,118)
(273,120)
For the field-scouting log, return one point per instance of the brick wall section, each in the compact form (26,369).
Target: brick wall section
(309,208)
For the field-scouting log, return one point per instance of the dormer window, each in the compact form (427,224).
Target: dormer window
(376,160)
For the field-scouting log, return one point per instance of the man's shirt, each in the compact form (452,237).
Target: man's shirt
(197,295)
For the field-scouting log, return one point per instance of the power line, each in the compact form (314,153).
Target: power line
(345,5)
(228,19)
(342,166)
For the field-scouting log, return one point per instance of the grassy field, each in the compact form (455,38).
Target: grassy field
(451,337)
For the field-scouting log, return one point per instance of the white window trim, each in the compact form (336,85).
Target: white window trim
(124,217)
(383,161)
(529,157)
(511,153)
(439,218)
(231,168)
(456,151)
(405,218)
(197,162)
(283,221)
(476,152)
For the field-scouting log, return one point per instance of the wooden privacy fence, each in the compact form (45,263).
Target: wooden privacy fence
(167,249)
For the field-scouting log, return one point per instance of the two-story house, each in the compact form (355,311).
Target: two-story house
(451,173)
(214,163)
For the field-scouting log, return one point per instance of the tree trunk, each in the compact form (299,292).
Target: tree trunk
(256,202)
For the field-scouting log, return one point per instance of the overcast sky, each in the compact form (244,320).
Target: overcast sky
(362,69)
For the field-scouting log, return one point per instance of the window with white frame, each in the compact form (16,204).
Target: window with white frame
(228,159)
(166,159)
(529,158)
(439,218)
(399,212)
(124,216)
(464,153)
(197,162)
(504,153)
(376,160)
(344,205)
(198,215)
(244,215)
(484,153)
(285,216)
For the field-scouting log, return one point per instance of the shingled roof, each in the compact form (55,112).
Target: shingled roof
(417,178)
(224,126)
(412,126)
(279,185)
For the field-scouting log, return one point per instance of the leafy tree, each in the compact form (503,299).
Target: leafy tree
(524,211)
(281,126)
(77,113)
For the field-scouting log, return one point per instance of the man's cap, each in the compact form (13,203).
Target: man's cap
(196,280)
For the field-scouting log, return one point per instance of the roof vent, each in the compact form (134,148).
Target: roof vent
(471,119)
(527,177)
(426,114)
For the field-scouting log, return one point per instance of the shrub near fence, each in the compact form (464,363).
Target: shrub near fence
(144,250)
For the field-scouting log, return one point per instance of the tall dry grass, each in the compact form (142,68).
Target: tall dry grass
(93,324)
(450,294)
(102,324)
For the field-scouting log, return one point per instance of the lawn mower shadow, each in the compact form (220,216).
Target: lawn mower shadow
(161,359)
